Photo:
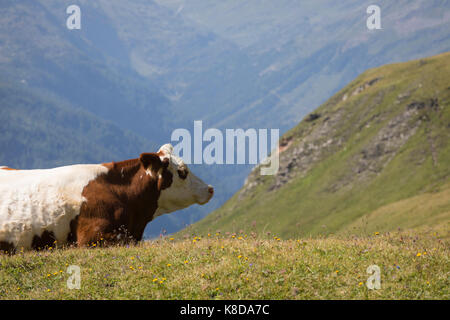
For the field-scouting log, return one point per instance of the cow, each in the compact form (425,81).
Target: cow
(94,203)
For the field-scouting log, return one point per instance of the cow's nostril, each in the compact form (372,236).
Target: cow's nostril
(210,190)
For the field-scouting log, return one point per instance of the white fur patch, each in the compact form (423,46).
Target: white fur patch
(32,201)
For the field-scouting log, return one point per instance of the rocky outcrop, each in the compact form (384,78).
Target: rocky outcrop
(327,131)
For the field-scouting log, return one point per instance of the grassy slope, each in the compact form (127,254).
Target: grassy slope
(413,266)
(308,205)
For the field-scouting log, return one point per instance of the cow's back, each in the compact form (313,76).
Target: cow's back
(34,202)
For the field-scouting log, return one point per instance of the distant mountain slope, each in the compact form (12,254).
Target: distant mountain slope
(38,51)
(305,51)
(374,157)
(43,131)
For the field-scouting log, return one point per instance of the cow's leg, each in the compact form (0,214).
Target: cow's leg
(46,240)
(92,230)
(7,247)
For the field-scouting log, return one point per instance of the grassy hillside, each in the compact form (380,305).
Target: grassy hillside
(374,157)
(242,266)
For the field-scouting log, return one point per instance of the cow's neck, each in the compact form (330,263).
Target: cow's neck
(137,192)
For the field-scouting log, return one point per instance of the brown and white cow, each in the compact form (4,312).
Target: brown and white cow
(85,203)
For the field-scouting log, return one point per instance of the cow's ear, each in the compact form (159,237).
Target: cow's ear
(166,177)
(150,160)
(165,163)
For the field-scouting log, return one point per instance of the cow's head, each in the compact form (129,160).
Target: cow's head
(186,188)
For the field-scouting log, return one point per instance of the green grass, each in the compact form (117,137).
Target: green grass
(329,197)
(426,209)
(238,266)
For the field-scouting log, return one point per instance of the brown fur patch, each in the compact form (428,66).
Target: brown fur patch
(121,203)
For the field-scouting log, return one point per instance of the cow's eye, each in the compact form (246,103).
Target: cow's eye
(182,173)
